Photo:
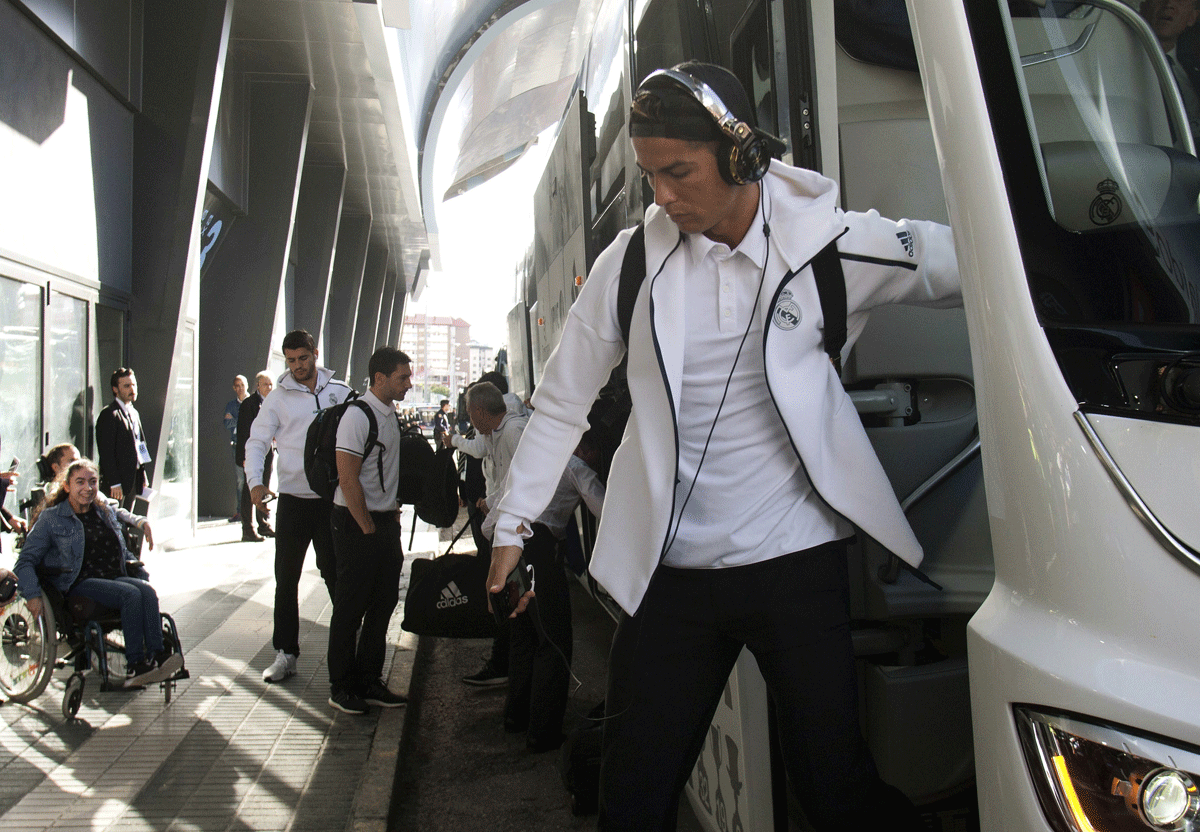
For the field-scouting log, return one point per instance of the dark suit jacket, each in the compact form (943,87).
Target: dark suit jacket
(115,445)
(247,413)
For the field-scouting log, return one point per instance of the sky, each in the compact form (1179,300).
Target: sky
(484,233)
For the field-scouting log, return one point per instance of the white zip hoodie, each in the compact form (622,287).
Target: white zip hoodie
(285,416)
(884,262)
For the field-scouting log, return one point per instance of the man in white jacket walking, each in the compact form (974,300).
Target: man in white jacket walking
(303,516)
(726,521)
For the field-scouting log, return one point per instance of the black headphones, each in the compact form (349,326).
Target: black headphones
(749,152)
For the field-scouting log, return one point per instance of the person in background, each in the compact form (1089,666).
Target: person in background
(247,412)
(77,542)
(230,420)
(1170,20)
(441,422)
(303,516)
(53,466)
(121,442)
(498,430)
(539,657)
(511,400)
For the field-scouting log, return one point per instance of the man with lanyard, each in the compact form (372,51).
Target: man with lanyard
(725,522)
(121,443)
(366,538)
(303,516)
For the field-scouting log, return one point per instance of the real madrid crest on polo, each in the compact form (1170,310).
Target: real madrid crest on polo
(787,311)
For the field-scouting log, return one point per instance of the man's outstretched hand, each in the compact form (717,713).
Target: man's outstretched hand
(504,561)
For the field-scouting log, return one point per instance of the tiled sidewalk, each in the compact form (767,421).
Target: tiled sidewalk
(229,752)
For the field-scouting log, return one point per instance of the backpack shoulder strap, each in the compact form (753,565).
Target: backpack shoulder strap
(831,289)
(372,434)
(633,272)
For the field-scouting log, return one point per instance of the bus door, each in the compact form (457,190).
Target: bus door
(1069,163)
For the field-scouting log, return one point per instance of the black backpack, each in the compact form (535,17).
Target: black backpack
(827,268)
(320,445)
(428,480)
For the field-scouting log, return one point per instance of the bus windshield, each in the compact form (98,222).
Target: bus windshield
(1097,144)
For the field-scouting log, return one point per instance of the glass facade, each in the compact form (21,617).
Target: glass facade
(20,371)
(69,401)
(175,482)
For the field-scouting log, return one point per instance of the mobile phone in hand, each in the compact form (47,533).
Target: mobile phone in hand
(515,586)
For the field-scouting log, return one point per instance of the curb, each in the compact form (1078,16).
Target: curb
(373,798)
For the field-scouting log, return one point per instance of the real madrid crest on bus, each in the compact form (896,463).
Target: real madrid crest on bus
(787,311)
(1107,206)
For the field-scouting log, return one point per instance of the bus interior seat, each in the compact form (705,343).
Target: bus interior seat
(1080,175)
(1106,82)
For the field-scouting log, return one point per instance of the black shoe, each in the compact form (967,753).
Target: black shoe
(237,518)
(348,703)
(266,531)
(489,676)
(251,537)
(147,672)
(377,693)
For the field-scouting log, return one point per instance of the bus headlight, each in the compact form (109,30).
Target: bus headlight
(1093,777)
(1168,798)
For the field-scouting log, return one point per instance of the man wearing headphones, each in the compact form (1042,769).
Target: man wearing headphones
(726,522)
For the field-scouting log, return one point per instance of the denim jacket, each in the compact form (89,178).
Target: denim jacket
(55,546)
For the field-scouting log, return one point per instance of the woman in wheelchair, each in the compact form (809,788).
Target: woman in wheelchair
(76,544)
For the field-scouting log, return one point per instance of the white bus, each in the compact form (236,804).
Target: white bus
(1044,440)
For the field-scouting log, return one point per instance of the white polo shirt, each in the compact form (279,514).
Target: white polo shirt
(752,500)
(352,438)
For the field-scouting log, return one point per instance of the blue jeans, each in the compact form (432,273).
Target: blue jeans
(138,603)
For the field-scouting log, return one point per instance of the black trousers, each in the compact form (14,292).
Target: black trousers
(247,505)
(500,643)
(539,664)
(669,666)
(299,521)
(368,588)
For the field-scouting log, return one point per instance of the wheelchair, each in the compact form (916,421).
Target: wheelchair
(89,638)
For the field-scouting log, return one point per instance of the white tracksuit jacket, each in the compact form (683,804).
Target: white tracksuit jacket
(883,261)
(285,416)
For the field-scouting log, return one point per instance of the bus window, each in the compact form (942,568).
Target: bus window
(1106,202)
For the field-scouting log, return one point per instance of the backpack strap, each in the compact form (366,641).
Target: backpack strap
(372,435)
(633,272)
(831,289)
(827,268)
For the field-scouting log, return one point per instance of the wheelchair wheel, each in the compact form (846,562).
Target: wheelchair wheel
(73,695)
(27,650)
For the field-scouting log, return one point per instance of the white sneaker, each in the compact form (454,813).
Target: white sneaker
(283,667)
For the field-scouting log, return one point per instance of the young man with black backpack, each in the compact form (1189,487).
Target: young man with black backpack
(366,538)
(303,517)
